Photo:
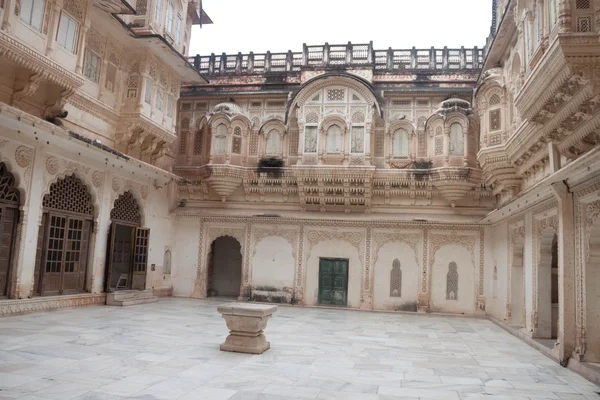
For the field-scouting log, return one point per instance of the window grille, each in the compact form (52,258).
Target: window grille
(494,99)
(197,143)
(495,122)
(273,145)
(220,145)
(457,140)
(358,117)
(310,139)
(69,194)
(8,192)
(357,138)
(335,95)
(584,24)
(312,118)
(582,4)
(182,143)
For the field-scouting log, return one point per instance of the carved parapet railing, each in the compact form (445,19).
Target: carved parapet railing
(338,56)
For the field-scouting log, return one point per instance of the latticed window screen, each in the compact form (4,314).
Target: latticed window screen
(335,95)
(584,24)
(494,99)
(457,140)
(69,194)
(358,117)
(396,280)
(198,142)
(495,122)
(452,282)
(312,118)
(582,4)
(439,146)
(182,142)
(126,209)
(422,142)
(8,192)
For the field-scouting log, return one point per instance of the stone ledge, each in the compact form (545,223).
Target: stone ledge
(23,306)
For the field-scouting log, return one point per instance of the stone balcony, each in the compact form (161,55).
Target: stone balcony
(335,189)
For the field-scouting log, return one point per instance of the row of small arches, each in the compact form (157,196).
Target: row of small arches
(451,280)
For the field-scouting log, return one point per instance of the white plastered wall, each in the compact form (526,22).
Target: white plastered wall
(382,275)
(185,255)
(273,263)
(465,303)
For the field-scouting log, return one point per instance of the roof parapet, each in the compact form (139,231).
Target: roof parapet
(341,57)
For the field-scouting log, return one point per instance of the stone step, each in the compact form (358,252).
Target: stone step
(125,303)
(130,297)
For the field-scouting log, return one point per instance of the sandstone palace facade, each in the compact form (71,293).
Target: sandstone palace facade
(431,180)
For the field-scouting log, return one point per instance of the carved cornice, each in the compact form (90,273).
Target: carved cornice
(25,56)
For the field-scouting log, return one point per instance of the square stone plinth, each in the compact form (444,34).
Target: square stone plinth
(246,322)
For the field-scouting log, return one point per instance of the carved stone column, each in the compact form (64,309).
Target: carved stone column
(566,272)
(9,15)
(564,16)
(54,14)
(446,146)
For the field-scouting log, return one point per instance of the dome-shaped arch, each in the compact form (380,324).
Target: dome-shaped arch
(401,124)
(69,192)
(9,191)
(357,84)
(272,124)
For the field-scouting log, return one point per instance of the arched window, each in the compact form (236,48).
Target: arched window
(220,140)
(273,143)
(111,73)
(400,143)
(396,280)
(457,140)
(334,139)
(452,282)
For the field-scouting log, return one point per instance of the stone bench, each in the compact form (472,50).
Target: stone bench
(246,322)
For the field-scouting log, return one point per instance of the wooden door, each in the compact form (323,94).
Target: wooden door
(140,258)
(333,281)
(65,256)
(8,224)
(120,257)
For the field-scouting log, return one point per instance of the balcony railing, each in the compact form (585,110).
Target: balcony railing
(340,57)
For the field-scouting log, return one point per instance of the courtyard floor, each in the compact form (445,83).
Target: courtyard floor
(170,350)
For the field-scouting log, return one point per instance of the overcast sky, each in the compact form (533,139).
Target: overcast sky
(281,25)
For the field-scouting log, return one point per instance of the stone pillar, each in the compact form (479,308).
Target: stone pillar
(32,212)
(366,301)
(564,16)
(423,300)
(566,272)
(528,299)
(81,48)
(446,149)
(554,155)
(54,14)
(100,243)
(9,16)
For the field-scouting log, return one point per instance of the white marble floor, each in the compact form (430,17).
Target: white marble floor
(170,350)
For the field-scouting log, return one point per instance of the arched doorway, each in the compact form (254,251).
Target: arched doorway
(517,288)
(63,246)
(127,252)
(224,267)
(547,287)
(9,213)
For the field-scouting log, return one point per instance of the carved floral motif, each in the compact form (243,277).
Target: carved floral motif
(23,156)
(52,165)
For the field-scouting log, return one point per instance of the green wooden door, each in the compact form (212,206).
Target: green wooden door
(333,281)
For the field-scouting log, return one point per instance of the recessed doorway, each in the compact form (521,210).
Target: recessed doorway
(333,281)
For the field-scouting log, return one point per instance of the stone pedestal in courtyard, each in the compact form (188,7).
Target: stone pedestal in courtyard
(246,323)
